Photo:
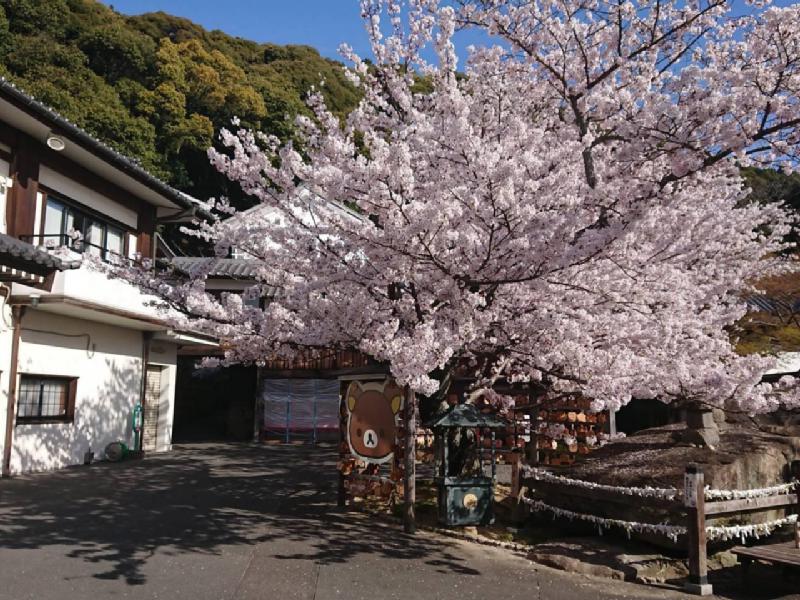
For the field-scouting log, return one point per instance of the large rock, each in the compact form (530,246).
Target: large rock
(704,437)
(602,557)
(745,457)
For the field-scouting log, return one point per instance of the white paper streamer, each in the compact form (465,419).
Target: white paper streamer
(665,493)
(643,492)
(775,490)
(665,529)
(741,532)
(672,532)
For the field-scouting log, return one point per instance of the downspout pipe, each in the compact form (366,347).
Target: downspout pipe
(17,312)
(146,337)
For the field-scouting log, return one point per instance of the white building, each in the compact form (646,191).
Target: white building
(78,351)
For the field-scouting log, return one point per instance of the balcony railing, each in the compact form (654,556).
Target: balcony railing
(51,241)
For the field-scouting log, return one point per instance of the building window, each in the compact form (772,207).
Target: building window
(253,300)
(44,398)
(100,237)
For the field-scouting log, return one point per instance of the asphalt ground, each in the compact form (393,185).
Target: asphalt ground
(228,521)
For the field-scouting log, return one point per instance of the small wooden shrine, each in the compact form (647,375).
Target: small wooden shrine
(465,499)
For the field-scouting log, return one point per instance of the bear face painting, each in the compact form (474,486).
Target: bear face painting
(371,419)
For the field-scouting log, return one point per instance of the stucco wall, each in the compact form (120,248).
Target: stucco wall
(90,285)
(6,337)
(4,171)
(86,196)
(107,361)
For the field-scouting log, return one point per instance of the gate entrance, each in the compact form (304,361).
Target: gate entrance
(300,410)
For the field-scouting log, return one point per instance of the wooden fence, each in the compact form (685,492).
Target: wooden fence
(697,509)
(691,508)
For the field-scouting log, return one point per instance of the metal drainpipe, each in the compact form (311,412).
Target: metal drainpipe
(146,337)
(17,313)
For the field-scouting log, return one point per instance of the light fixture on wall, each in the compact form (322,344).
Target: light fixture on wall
(34,298)
(55,142)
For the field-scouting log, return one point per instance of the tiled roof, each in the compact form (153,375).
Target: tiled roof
(229,268)
(122,162)
(466,415)
(773,305)
(12,247)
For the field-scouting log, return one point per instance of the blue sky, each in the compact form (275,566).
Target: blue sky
(323,24)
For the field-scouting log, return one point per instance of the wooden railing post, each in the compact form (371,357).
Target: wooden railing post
(795,475)
(520,510)
(695,500)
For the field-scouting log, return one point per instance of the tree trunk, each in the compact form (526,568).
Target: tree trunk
(409,481)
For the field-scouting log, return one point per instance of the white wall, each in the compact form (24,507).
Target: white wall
(109,383)
(5,319)
(6,336)
(86,196)
(88,284)
(5,169)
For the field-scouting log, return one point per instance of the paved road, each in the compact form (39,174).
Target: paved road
(240,521)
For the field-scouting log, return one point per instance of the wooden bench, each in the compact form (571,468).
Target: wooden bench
(778,554)
(786,553)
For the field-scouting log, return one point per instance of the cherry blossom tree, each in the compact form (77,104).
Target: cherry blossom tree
(564,207)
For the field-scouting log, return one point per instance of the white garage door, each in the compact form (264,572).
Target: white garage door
(152,408)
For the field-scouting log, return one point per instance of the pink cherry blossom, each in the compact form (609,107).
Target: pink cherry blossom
(567,208)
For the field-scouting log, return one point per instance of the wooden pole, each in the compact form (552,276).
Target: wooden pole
(516,467)
(409,475)
(795,474)
(694,500)
(491,457)
(146,337)
(341,492)
(445,455)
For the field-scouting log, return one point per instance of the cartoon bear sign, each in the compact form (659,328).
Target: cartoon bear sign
(372,409)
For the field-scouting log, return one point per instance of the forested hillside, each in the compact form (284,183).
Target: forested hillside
(158,87)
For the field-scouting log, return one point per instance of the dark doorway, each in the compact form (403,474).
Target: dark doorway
(214,403)
(644,414)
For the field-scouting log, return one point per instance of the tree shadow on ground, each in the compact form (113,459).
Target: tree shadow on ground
(201,499)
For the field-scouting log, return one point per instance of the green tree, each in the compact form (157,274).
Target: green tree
(32,17)
(5,35)
(159,87)
(114,52)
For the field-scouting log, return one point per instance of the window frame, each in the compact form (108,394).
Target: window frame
(217,295)
(71,384)
(88,216)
